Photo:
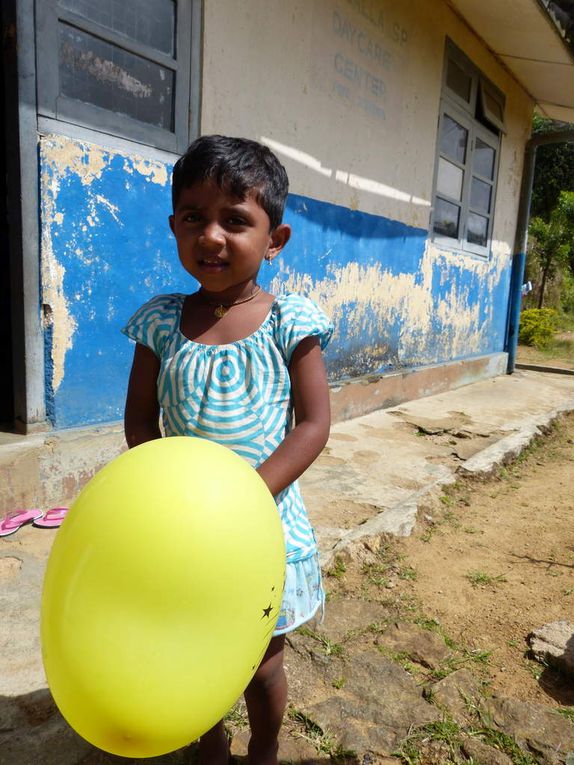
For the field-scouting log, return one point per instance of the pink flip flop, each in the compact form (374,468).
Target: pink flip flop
(52,519)
(13,521)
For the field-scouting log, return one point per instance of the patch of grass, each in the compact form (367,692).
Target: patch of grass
(482,579)
(427,623)
(323,741)
(329,647)
(466,657)
(504,743)
(338,682)
(408,573)
(445,731)
(376,574)
(399,657)
(534,668)
(567,712)
(339,568)
(237,716)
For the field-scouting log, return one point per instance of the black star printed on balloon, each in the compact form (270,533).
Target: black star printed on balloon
(267,611)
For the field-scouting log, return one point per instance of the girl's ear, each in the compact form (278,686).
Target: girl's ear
(279,238)
(172,224)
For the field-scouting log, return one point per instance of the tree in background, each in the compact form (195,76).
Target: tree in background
(551,243)
(554,170)
(550,263)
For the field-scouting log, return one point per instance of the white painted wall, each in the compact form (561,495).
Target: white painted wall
(294,74)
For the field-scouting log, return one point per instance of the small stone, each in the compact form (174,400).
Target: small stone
(422,646)
(483,754)
(553,644)
(460,694)
(535,727)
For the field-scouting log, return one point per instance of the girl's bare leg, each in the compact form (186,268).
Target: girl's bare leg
(266,698)
(214,747)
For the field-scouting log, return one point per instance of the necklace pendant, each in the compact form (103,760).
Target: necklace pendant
(220,311)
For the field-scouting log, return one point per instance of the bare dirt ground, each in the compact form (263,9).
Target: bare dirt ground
(489,562)
(497,561)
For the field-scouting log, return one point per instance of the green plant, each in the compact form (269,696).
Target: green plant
(323,741)
(567,712)
(551,244)
(481,579)
(504,743)
(339,568)
(537,327)
(408,573)
(330,648)
(376,574)
(445,731)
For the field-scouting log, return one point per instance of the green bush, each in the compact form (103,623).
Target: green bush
(537,327)
(567,297)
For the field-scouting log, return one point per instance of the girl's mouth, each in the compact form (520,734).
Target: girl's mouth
(212,264)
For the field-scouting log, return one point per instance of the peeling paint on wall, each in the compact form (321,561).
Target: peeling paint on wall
(397,301)
(87,229)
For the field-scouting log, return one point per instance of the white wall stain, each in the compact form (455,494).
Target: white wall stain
(156,172)
(62,157)
(111,208)
(372,297)
(58,318)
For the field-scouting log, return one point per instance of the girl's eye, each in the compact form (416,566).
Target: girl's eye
(191,218)
(237,220)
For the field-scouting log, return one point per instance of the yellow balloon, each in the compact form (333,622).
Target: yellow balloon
(161,594)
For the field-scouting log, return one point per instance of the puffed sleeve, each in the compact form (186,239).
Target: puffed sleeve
(154,322)
(297,318)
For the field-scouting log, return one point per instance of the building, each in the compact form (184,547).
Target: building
(402,127)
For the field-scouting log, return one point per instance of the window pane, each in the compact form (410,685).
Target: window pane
(446,217)
(151,22)
(480,195)
(477,229)
(453,139)
(449,179)
(483,162)
(458,80)
(102,74)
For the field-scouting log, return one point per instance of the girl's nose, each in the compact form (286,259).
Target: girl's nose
(212,237)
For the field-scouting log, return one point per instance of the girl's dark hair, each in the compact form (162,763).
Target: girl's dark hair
(237,165)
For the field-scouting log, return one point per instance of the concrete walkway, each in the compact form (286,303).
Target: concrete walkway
(371,479)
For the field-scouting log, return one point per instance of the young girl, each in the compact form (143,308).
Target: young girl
(236,365)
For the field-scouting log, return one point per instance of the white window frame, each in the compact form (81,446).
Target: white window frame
(480,123)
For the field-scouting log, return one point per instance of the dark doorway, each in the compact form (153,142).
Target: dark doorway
(6,361)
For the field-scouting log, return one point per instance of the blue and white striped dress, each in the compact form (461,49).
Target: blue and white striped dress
(239,395)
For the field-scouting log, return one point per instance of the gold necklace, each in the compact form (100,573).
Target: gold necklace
(222,308)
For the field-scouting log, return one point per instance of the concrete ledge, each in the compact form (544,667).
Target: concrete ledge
(361,395)
(542,368)
(45,470)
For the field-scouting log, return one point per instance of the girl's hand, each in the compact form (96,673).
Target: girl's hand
(141,418)
(305,442)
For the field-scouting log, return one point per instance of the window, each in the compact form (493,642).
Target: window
(469,133)
(120,66)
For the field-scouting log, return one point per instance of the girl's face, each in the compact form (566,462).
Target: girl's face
(221,239)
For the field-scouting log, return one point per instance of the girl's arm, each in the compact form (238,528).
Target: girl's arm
(304,443)
(141,418)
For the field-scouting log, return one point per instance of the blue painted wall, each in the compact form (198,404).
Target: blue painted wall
(106,248)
